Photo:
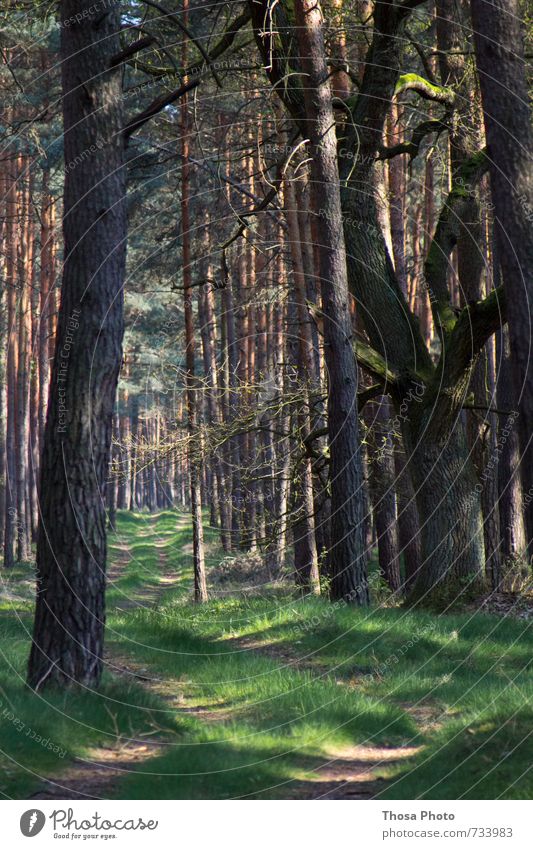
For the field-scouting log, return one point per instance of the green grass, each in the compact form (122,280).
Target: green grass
(40,734)
(457,686)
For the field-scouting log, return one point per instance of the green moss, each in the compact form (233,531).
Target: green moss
(407,81)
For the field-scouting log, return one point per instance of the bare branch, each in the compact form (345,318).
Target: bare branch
(174,18)
(156,106)
(412,147)
(368,394)
(131,50)
(166,100)
(280,169)
(428,70)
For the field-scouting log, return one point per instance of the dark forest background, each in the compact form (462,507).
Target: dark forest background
(267,286)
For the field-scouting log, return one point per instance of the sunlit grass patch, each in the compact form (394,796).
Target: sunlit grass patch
(257,691)
(40,733)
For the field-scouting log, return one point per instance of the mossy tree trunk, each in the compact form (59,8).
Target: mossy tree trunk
(397,356)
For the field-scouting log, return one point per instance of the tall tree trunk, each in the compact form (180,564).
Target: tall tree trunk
(200,583)
(264,443)
(408,522)
(396,186)
(35,401)
(69,623)
(510,493)
(304,540)
(322,501)
(451,521)
(348,562)
(24,359)
(499,48)
(383,493)
(427,222)
(279,351)
(250,255)
(231,360)
(134,435)
(242,341)
(11,367)
(46,297)
(207,320)
(3,348)
(465,141)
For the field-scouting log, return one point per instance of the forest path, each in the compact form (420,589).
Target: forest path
(348,772)
(95,776)
(352,771)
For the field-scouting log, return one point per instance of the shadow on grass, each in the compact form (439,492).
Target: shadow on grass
(258,722)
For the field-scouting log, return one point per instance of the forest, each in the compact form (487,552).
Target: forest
(266,399)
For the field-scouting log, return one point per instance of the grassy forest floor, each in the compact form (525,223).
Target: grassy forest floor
(264,695)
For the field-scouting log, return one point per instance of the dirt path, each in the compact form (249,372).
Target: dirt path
(94,777)
(349,773)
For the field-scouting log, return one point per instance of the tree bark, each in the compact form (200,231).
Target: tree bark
(510,492)
(348,562)
(69,623)
(383,493)
(408,522)
(451,521)
(23,370)
(465,140)
(499,49)
(304,540)
(46,296)
(11,367)
(206,317)
(200,583)
(398,356)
